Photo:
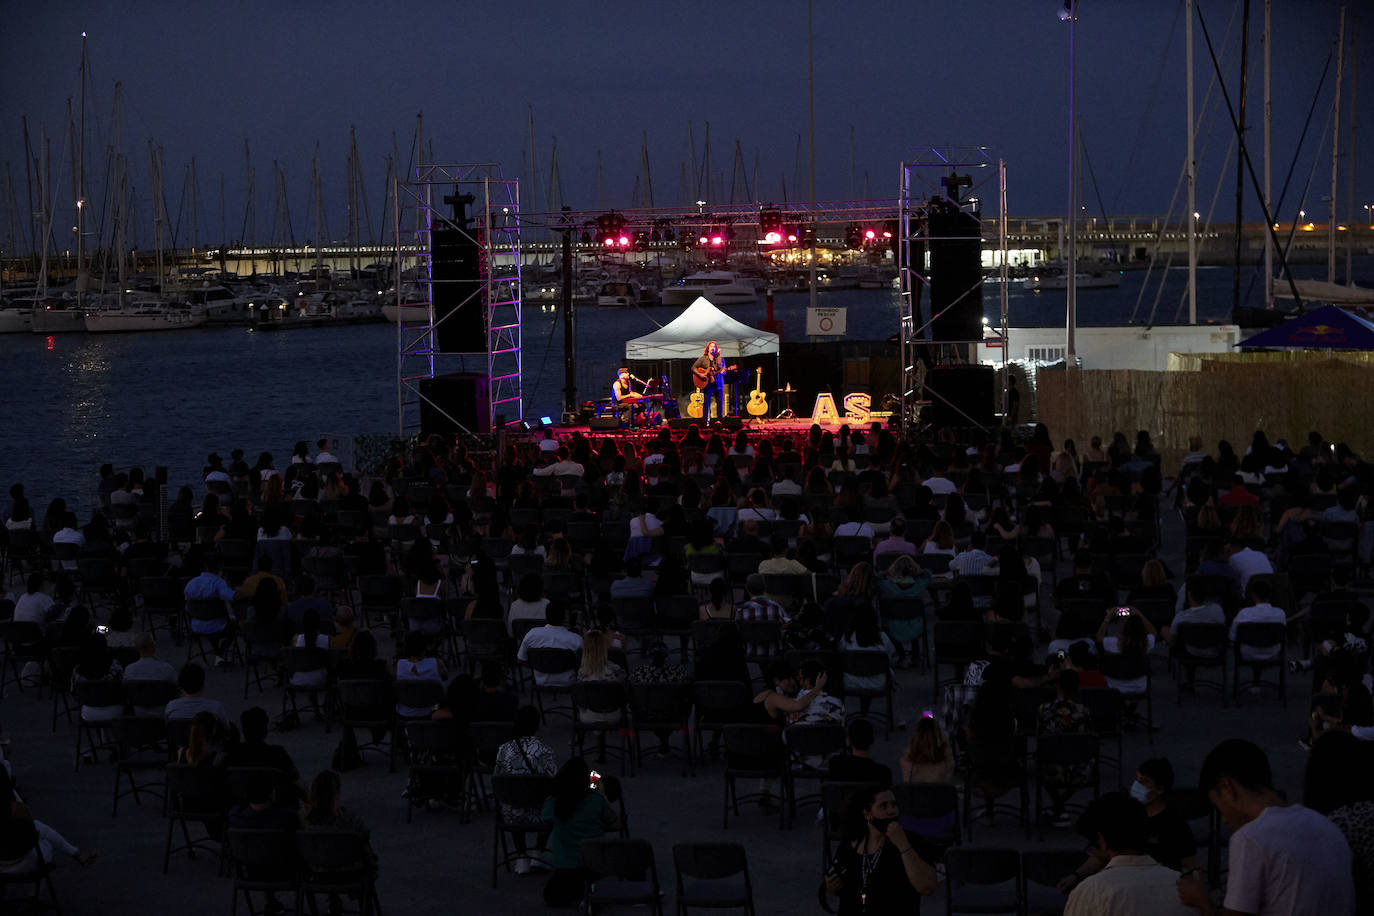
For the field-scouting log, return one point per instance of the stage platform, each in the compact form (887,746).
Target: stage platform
(798,426)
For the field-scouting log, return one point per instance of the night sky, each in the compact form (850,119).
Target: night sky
(198,78)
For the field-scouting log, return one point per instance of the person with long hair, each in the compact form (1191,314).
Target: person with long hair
(941,540)
(203,741)
(1133,645)
(929,754)
(855,592)
(864,635)
(525,754)
(578,810)
(879,866)
(324,811)
(23,839)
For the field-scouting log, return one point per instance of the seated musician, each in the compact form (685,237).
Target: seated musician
(623,397)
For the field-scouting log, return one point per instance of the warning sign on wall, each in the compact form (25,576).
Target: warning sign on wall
(825,322)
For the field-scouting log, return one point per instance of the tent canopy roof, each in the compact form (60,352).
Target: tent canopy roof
(1325,328)
(701,322)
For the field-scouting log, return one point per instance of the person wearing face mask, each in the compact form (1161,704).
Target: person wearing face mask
(1168,838)
(879,867)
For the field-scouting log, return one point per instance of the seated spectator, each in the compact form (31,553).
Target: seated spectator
(1259,611)
(524,755)
(823,708)
(362,663)
(1247,562)
(856,764)
(496,702)
(254,751)
(311,637)
(577,812)
(940,541)
(781,563)
(530,603)
(1284,858)
(149,667)
(597,666)
(855,593)
(554,634)
(1134,643)
(633,584)
(204,743)
(344,629)
(209,585)
(855,527)
(35,605)
(324,811)
(864,635)
(23,839)
(1064,715)
(95,662)
(1200,609)
(250,585)
(896,541)
(748,540)
(719,605)
(307,601)
(974,560)
(929,755)
(418,663)
(191,680)
(1238,495)
(1336,785)
(1153,585)
(1129,881)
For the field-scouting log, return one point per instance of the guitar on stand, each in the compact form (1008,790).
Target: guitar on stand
(758,403)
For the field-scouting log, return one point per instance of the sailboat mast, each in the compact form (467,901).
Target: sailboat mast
(79,168)
(1240,149)
(1350,172)
(1268,154)
(1335,152)
(1191,215)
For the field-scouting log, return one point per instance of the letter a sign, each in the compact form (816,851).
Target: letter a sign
(824,411)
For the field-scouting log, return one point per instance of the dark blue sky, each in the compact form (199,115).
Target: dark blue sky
(199,78)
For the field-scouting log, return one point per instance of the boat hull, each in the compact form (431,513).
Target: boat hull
(57,321)
(407,314)
(15,321)
(681,297)
(114,324)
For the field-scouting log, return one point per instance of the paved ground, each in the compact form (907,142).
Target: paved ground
(438,865)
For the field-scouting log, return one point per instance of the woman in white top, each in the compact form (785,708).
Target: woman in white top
(530,603)
(528,544)
(742,446)
(941,540)
(864,636)
(1135,642)
(310,636)
(597,666)
(418,665)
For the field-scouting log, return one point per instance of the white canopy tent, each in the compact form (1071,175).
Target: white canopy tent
(701,322)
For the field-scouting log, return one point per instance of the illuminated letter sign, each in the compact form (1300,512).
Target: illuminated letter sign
(824,411)
(856,407)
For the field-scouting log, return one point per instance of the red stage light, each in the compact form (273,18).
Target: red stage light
(624,240)
(886,234)
(609,243)
(773,238)
(717,240)
(703,240)
(870,234)
(791,237)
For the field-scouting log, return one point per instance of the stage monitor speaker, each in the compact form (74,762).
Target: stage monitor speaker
(684,422)
(960,396)
(956,273)
(456,269)
(462,396)
(609,421)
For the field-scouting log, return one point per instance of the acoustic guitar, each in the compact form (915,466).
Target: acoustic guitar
(696,405)
(758,403)
(702,377)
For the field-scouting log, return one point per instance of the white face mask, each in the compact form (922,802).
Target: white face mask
(1140,792)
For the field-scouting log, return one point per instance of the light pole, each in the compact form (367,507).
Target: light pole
(811,118)
(1369,215)
(1070,14)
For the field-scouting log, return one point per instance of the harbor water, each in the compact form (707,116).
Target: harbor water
(72,402)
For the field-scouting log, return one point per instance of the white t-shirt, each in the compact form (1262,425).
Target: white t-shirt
(854,530)
(640,525)
(940,486)
(1259,613)
(1249,562)
(1290,861)
(521,609)
(33,608)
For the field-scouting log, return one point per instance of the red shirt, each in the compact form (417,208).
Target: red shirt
(1238,496)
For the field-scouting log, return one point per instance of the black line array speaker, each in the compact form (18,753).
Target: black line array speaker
(462,395)
(609,421)
(960,395)
(956,272)
(459,309)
